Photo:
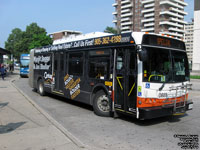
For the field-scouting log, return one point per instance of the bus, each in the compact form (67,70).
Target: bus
(24,65)
(139,74)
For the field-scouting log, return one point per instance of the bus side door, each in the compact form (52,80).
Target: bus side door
(58,71)
(126,80)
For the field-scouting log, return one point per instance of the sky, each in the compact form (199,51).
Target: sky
(57,15)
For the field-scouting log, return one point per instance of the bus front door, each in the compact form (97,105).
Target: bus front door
(126,80)
(58,72)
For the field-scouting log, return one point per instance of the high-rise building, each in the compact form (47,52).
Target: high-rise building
(158,16)
(188,39)
(196,48)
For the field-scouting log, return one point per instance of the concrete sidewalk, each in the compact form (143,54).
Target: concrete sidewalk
(25,126)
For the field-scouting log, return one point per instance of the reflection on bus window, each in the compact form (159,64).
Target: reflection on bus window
(181,69)
(160,68)
(99,64)
(120,61)
(76,64)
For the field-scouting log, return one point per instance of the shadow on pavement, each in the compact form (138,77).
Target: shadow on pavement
(3,104)
(150,122)
(10,127)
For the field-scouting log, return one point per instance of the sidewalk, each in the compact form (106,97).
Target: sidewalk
(25,126)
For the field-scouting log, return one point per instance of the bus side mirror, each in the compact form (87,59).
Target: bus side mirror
(143,56)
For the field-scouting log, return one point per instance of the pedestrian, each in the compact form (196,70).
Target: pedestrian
(2,71)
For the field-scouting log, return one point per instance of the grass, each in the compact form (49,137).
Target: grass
(194,77)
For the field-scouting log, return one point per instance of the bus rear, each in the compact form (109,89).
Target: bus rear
(163,78)
(24,65)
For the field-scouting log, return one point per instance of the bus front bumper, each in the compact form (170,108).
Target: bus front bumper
(155,112)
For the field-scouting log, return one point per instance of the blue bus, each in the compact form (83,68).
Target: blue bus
(24,65)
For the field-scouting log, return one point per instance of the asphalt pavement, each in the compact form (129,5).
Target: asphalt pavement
(25,126)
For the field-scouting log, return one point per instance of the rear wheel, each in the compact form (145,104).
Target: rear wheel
(41,88)
(101,104)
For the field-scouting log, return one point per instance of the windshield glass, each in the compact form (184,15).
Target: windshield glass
(24,63)
(164,65)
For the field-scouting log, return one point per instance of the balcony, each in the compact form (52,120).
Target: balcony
(114,13)
(115,5)
(167,2)
(176,30)
(125,28)
(125,19)
(149,15)
(148,20)
(126,23)
(178,11)
(126,11)
(177,20)
(180,2)
(126,15)
(147,1)
(171,14)
(149,24)
(126,6)
(114,21)
(149,5)
(148,10)
(148,30)
(171,24)
(125,1)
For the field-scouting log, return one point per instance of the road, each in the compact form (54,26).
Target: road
(123,133)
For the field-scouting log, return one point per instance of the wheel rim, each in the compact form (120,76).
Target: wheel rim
(40,88)
(103,103)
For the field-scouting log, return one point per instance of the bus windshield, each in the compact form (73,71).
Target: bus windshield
(165,65)
(24,62)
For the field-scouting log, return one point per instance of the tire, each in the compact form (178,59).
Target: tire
(41,88)
(101,104)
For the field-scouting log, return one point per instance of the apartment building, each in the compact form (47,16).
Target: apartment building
(196,48)
(188,39)
(158,16)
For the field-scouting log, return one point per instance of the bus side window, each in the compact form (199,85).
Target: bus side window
(76,64)
(62,62)
(132,61)
(55,64)
(120,61)
(99,64)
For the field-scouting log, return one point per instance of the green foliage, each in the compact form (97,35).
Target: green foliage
(13,42)
(194,77)
(20,42)
(110,30)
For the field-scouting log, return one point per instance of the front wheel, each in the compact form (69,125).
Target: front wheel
(101,104)
(41,88)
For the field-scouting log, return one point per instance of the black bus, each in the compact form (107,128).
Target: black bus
(140,74)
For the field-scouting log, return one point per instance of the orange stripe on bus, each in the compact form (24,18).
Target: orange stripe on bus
(151,102)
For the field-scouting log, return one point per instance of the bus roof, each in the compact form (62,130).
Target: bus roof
(130,38)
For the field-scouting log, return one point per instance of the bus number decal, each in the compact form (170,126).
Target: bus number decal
(73,86)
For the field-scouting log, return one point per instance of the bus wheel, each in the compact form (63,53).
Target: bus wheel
(41,88)
(101,104)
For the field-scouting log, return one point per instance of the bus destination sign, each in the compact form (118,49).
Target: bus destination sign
(100,41)
(163,42)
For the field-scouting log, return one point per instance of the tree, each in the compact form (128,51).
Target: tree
(110,30)
(20,42)
(13,42)
(36,36)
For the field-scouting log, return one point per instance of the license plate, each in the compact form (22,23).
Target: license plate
(190,106)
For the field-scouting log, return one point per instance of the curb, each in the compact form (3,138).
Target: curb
(51,119)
